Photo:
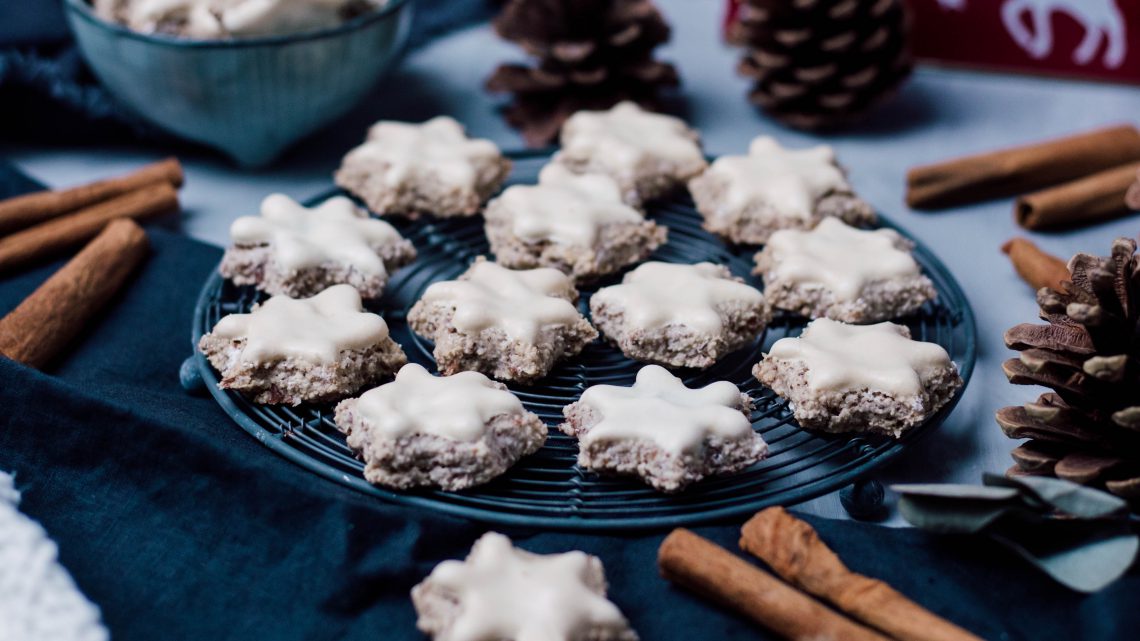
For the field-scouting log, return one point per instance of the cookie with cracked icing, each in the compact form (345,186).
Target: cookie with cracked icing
(299,251)
(575,223)
(292,351)
(449,432)
(222,19)
(426,168)
(503,593)
(667,434)
(744,199)
(510,324)
(649,154)
(843,273)
(859,378)
(679,315)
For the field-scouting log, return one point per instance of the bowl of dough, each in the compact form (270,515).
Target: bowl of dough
(246,77)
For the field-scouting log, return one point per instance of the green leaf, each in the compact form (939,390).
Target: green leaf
(1086,562)
(953,515)
(1063,496)
(955,490)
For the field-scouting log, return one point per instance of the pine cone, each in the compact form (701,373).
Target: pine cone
(819,64)
(1088,429)
(592,54)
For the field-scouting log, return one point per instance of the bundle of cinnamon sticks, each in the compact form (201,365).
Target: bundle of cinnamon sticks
(1060,183)
(47,224)
(862,608)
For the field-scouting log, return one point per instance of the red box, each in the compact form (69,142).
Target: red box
(1098,39)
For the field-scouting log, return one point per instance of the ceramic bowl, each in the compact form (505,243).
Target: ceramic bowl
(251,98)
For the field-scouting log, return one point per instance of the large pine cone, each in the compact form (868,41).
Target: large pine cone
(1088,429)
(819,64)
(592,54)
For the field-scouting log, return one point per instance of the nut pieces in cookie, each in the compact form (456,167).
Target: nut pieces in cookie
(502,593)
(291,351)
(668,434)
(299,251)
(450,432)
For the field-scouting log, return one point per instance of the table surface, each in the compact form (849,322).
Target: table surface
(940,113)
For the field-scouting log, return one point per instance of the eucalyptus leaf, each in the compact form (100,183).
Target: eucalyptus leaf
(1066,497)
(948,515)
(1087,565)
(959,491)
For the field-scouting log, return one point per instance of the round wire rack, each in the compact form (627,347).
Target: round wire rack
(548,489)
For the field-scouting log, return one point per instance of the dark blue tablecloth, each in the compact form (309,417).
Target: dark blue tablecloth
(179,525)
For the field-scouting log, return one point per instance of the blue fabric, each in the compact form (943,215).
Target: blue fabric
(47,94)
(181,526)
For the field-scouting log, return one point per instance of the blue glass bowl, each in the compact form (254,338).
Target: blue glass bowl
(250,98)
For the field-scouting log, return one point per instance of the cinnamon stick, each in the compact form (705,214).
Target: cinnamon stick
(1010,172)
(793,550)
(49,320)
(29,209)
(1036,267)
(1080,202)
(55,236)
(715,573)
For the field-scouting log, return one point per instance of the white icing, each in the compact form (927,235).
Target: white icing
(335,231)
(839,257)
(221,18)
(520,302)
(841,357)
(455,407)
(658,294)
(659,408)
(502,592)
(626,135)
(790,181)
(313,329)
(437,150)
(564,207)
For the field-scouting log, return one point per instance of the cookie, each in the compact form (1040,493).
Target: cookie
(292,351)
(649,155)
(429,168)
(667,434)
(448,432)
(512,325)
(839,272)
(297,251)
(679,315)
(502,593)
(859,378)
(574,223)
(744,199)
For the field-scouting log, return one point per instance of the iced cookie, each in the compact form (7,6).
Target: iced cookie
(837,271)
(744,199)
(666,433)
(679,315)
(297,251)
(648,154)
(502,593)
(510,324)
(428,168)
(220,19)
(291,351)
(574,223)
(859,378)
(450,432)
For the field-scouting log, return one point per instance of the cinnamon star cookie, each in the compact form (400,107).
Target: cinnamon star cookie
(298,251)
(292,351)
(668,434)
(744,199)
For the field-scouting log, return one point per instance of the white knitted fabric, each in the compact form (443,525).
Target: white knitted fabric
(38,599)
